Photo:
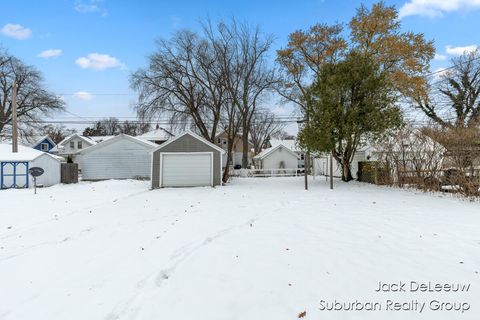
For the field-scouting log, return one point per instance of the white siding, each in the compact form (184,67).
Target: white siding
(236,158)
(51,167)
(120,159)
(322,165)
(274,159)
(66,146)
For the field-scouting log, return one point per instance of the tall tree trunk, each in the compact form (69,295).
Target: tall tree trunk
(226,171)
(346,172)
(245,143)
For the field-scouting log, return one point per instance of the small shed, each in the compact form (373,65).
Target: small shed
(120,157)
(187,160)
(278,157)
(14,167)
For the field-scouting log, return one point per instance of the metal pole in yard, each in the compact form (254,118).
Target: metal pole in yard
(331,172)
(307,155)
(306,169)
(14,118)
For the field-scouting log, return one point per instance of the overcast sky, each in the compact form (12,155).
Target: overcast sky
(87,49)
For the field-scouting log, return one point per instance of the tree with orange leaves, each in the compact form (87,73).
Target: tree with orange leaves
(373,36)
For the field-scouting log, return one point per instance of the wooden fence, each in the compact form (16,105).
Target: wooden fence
(69,173)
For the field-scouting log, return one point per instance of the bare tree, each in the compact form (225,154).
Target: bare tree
(454,100)
(56,133)
(183,83)
(111,126)
(34,101)
(134,128)
(411,157)
(253,78)
(264,126)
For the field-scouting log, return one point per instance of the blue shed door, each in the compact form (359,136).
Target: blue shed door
(13,174)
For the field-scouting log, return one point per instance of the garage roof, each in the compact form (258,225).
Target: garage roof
(194,135)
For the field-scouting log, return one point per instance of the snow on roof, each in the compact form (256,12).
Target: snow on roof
(99,139)
(192,134)
(267,151)
(86,139)
(116,138)
(28,141)
(290,144)
(159,134)
(23,154)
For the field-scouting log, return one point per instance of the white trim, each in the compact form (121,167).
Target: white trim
(160,184)
(39,141)
(42,144)
(194,135)
(151,171)
(70,137)
(221,172)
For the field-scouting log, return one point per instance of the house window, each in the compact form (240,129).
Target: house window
(302,156)
(224,141)
(44,147)
(219,140)
(79,144)
(72,144)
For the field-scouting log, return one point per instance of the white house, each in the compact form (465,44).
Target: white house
(321,164)
(72,145)
(291,144)
(278,157)
(14,167)
(121,157)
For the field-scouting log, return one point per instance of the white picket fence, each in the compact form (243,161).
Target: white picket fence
(251,173)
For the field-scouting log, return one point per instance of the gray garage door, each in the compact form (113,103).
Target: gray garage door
(186,169)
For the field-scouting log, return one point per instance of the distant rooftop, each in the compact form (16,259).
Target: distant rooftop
(159,134)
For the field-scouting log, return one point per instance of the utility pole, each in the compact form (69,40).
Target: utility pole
(14,118)
(331,171)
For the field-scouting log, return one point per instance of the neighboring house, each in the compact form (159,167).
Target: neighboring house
(72,145)
(291,144)
(221,140)
(158,136)
(321,164)
(120,157)
(187,160)
(14,167)
(278,157)
(42,143)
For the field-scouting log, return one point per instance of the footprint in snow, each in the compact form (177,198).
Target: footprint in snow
(161,277)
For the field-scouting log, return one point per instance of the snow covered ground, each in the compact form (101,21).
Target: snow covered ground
(254,249)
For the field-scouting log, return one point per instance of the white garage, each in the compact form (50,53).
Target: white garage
(121,157)
(187,160)
(186,169)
